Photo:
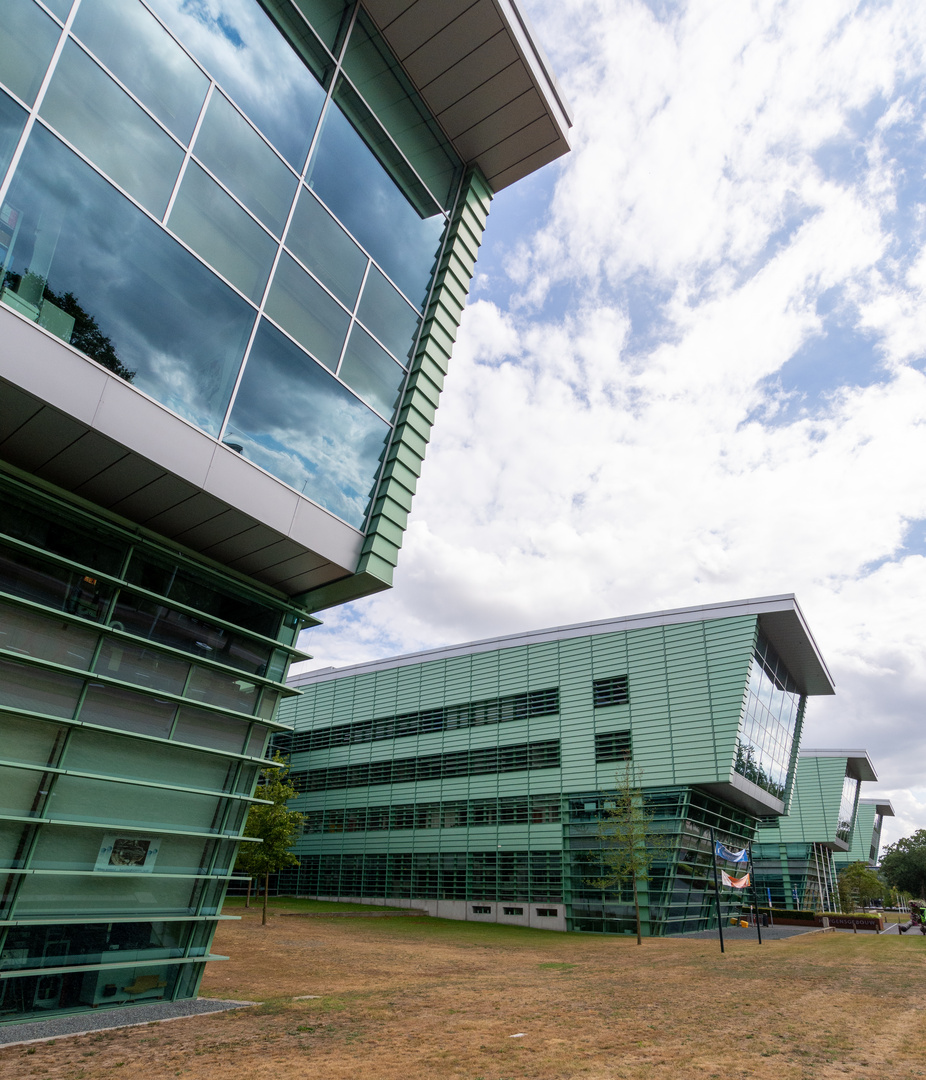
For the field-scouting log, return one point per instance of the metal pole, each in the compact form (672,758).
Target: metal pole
(755,894)
(716,886)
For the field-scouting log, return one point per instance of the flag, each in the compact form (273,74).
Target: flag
(734,882)
(731,856)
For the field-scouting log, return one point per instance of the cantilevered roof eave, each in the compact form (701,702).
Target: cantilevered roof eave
(482,74)
(858,763)
(779,616)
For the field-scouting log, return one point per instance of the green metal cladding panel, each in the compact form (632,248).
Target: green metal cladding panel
(405,455)
(814,815)
(686,696)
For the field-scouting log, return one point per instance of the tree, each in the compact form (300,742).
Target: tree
(858,885)
(629,842)
(274,824)
(903,864)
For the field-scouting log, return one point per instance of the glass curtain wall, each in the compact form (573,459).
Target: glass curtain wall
(679,895)
(773,711)
(256,246)
(137,695)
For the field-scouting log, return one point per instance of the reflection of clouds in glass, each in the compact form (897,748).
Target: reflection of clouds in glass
(302,425)
(238,44)
(136,48)
(12,122)
(350,180)
(169,318)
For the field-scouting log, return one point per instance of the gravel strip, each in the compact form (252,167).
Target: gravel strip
(58,1027)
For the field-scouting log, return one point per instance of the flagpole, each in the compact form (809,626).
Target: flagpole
(716,885)
(755,894)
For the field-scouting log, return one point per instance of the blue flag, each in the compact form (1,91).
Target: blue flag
(731,856)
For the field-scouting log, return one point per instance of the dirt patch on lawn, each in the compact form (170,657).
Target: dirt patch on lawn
(427,999)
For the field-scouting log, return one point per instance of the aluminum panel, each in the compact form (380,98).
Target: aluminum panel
(421,21)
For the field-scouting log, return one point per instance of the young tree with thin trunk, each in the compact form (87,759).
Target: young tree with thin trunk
(629,842)
(274,824)
(858,885)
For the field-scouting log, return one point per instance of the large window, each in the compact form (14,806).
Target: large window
(847,807)
(774,706)
(192,209)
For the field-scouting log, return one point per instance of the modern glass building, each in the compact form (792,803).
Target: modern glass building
(469,780)
(866,836)
(236,239)
(795,856)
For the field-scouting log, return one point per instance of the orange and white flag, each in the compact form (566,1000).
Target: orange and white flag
(734,882)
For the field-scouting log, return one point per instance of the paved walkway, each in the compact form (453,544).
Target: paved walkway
(82,1023)
(744,933)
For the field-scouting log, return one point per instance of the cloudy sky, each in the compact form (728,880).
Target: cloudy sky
(692,366)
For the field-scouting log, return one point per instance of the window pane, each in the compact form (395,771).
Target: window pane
(115,755)
(383,311)
(22,791)
(78,798)
(60,7)
(303,308)
(208,729)
(326,249)
(372,372)
(140,52)
(53,585)
(146,667)
(147,305)
(216,688)
(103,122)
(34,742)
(30,634)
(27,41)
(300,424)
(232,149)
(12,122)
(239,45)
(216,227)
(351,181)
(23,686)
(109,706)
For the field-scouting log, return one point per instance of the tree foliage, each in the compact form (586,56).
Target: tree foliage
(629,842)
(274,824)
(903,865)
(858,885)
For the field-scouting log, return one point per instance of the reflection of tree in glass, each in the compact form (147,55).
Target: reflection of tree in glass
(748,764)
(86,335)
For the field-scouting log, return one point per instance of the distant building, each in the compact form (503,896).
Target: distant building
(236,239)
(866,836)
(468,780)
(795,856)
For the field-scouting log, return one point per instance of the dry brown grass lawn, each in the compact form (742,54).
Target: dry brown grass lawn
(416,999)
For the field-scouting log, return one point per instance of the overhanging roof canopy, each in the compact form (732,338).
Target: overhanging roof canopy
(858,763)
(481,73)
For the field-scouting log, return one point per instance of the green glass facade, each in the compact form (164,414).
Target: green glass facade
(235,247)
(866,836)
(470,780)
(137,696)
(796,856)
